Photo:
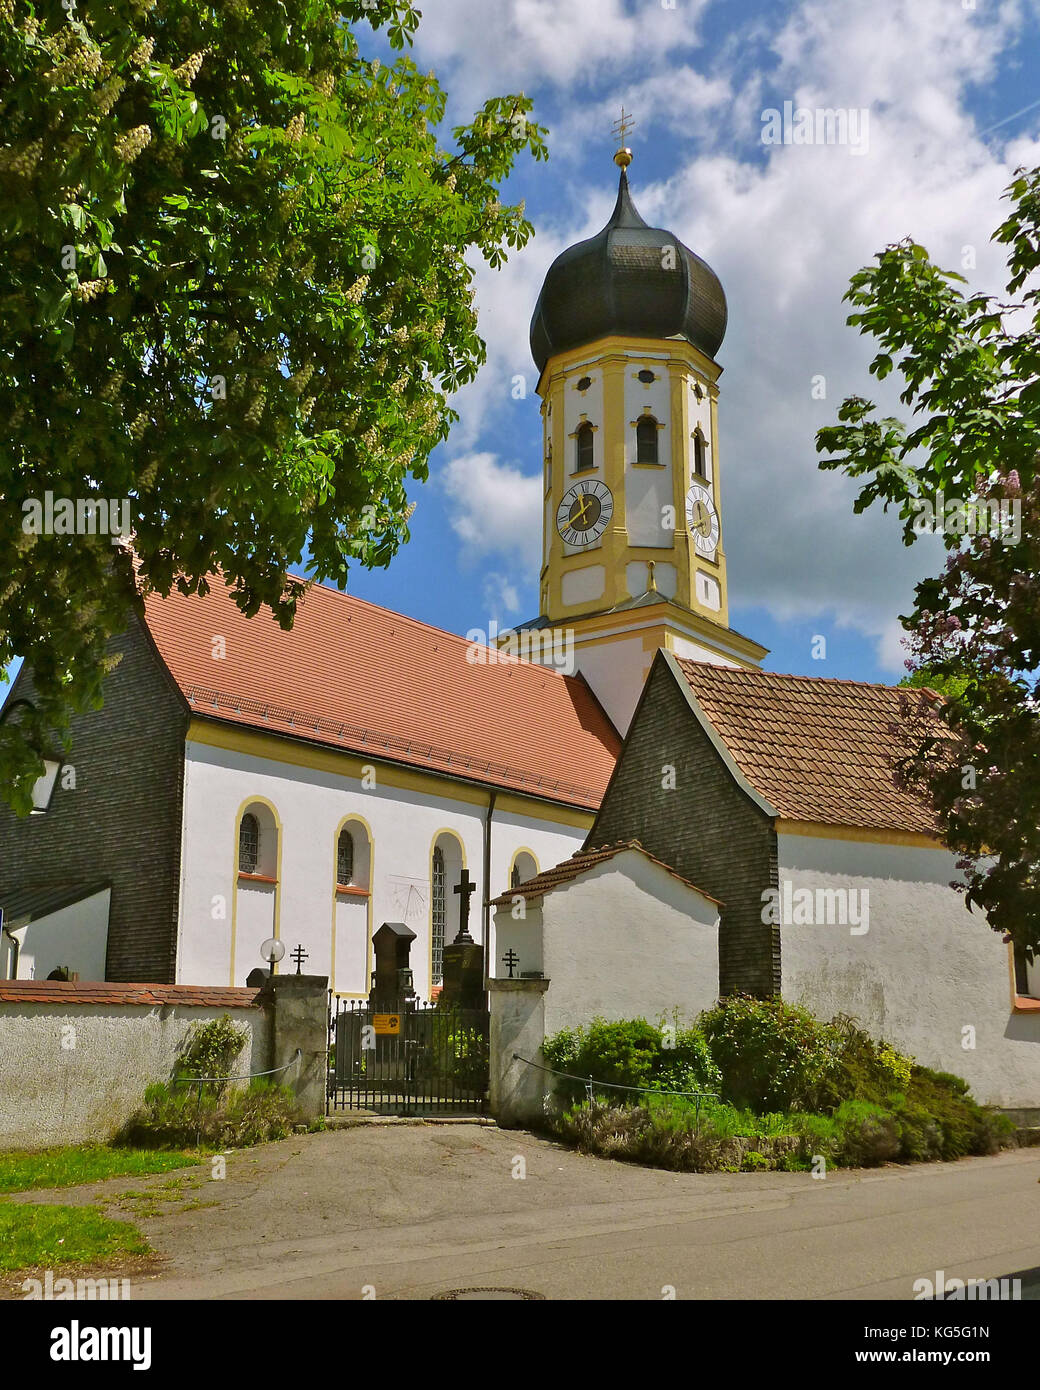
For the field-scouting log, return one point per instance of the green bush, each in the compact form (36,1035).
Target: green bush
(867,1135)
(175,1117)
(633,1052)
(666,1133)
(457,1053)
(210,1050)
(964,1126)
(864,1069)
(779,1072)
(773,1055)
(753,1162)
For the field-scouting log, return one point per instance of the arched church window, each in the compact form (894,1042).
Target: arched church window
(345,858)
(439,915)
(646,439)
(584,459)
(700,466)
(524,867)
(248,844)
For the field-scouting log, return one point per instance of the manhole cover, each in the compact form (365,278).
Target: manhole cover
(459,1295)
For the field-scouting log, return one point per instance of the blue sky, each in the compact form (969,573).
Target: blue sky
(945,83)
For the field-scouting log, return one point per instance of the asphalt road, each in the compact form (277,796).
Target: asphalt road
(408,1212)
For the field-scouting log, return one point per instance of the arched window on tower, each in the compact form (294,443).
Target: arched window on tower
(345,858)
(646,439)
(700,465)
(584,458)
(248,844)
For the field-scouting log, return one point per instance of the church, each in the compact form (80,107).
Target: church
(243,784)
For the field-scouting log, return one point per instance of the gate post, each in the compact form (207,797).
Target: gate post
(300,1019)
(517,1092)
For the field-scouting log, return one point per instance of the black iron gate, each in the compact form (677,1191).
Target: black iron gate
(424,1060)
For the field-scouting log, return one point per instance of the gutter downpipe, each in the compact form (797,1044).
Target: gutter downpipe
(486,922)
(16,951)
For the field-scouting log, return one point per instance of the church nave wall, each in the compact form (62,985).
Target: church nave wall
(395,831)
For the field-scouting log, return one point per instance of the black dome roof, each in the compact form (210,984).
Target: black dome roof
(616,282)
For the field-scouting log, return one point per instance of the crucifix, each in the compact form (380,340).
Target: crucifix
(511,959)
(464,888)
(299,955)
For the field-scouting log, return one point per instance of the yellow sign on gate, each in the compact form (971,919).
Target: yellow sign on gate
(386,1024)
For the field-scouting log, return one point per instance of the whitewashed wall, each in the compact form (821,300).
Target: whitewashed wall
(617,670)
(626,940)
(81,1069)
(76,936)
(924,971)
(310,807)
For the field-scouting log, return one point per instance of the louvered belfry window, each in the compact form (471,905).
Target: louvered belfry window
(584,458)
(646,440)
(699,465)
(440,911)
(248,844)
(345,858)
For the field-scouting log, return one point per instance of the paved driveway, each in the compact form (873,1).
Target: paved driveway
(409,1211)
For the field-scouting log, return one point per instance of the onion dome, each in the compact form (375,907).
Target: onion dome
(628,279)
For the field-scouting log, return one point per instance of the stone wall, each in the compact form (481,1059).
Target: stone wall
(517,1091)
(75,1059)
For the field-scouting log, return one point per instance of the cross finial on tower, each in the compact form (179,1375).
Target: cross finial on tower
(621,127)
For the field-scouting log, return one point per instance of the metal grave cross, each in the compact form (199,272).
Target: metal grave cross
(465,887)
(299,955)
(511,959)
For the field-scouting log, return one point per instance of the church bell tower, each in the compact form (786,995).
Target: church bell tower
(624,335)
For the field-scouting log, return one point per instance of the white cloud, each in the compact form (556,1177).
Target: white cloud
(484,50)
(494,508)
(501,598)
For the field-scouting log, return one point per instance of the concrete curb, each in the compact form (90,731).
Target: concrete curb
(354,1121)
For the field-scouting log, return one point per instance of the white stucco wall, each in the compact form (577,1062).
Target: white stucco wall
(626,940)
(74,1073)
(924,971)
(311,805)
(76,936)
(615,670)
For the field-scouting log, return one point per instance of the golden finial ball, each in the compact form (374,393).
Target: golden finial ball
(623,158)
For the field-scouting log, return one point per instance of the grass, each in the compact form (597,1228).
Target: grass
(721,1120)
(83,1163)
(50,1235)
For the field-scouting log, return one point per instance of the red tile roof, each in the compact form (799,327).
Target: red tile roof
(579,863)
(72,992)
(816,749)
(352,675)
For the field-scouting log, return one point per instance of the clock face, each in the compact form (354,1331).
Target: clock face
(702,520)
(584,513)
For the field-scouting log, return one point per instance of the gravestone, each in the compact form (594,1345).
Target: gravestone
(391,989)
